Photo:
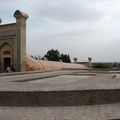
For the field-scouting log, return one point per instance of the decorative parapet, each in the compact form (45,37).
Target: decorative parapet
(8,33)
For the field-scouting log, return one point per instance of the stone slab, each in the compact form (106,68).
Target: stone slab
(94,112)
(58,81)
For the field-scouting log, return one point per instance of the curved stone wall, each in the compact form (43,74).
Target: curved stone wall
(44,65)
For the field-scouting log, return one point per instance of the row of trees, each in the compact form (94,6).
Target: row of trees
(102,65)
(106,65)
(54,55)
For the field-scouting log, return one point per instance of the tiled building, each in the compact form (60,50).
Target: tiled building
(13,43)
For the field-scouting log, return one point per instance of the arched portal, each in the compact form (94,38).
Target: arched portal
(6,56)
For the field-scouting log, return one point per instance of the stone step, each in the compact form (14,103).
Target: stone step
(59,98)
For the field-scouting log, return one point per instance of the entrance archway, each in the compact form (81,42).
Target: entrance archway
(6,62)
(6,56)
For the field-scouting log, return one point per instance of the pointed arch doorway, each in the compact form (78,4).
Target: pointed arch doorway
(6,55)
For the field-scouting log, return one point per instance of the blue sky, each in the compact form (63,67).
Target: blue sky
(81,28)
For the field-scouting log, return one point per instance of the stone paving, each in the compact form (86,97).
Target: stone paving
(65,80)
(96,112)
(59,80)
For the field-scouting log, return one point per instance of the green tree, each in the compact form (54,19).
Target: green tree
(53,55)
(102,65)
(65,58)
(37,57)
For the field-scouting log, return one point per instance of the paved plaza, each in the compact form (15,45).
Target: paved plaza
(59,80)
(96,112)
(56,95)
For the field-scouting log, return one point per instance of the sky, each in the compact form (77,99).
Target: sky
(80,28)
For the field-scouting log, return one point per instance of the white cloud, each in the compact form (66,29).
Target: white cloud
(81,28)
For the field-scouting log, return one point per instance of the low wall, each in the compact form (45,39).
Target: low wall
(59,98)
